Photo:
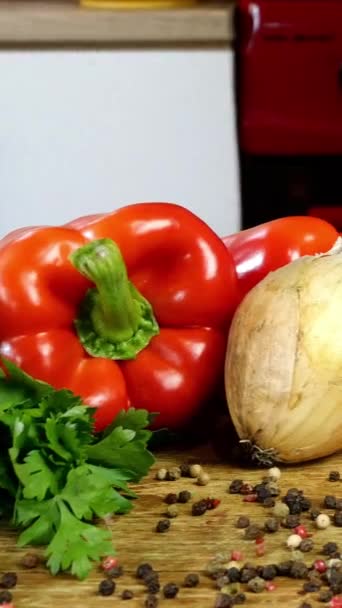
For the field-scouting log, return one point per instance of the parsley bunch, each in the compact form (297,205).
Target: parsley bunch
(56,475)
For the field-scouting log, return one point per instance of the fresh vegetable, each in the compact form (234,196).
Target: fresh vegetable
(70,316)
(56,475)
(283,370)
(259,250)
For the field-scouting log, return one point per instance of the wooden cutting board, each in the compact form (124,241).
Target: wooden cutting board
(190,542)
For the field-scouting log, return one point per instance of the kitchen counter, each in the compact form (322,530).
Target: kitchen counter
(65,23)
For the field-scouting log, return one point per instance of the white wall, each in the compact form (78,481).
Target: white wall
(82,132)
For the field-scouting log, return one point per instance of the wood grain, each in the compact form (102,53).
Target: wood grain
(189,544)
(66,23)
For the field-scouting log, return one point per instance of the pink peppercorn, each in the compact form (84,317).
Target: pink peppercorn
(270,586)
(336,602)
(237,556)
(321,566)
(260,550)
(259,541)
(246,488)
(108,563)
(301,531)
(250,498)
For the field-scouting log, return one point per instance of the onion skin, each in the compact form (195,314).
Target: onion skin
(283,370)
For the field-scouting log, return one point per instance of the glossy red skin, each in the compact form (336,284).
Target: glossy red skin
(257,251)
(176,262)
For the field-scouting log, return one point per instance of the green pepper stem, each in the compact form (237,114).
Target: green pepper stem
(116,311)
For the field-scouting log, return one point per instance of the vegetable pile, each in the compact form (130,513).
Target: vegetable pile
(56,475)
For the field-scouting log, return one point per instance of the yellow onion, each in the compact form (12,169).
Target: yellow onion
(283,372)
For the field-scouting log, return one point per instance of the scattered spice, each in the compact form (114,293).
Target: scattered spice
(8,580)
(30,560)
(239,598)
(199,508)
(329,548)
(246,488)
(195,470)
(127,594)
(243,521)
(234,574)
(268,572)
(301,531)
(235,486)
(325,595)
(306,545)
(293,541)
(170,590)
(260,550)
(184,496)
(253,532)
(212,503)
(191,580)
(172,511)
(268,503)
(203,479)
(106,587)
(334,476)
(314,513)
(247,573)
(299,570)
(223,600)
(338,504)
(311,586)
(256,584)
(274,473)
(185,469)
(329,502)
(173,474)
(108,563)
(151,601)
(5,597)
(115,572)
(320,566)
(271,525)
(281,510)
(291,521)
(270,586)
(284,568)
(236,556)
(143,570)
(171,498)
(338,519)
(222,581)
(250,498)
(162,526)
(323,521)
(161,474)
(152,584)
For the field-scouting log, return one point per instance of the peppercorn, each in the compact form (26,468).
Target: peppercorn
(239,598)
(30,560)
(329,502)
(203,479)
(172,511)
(162,526)
(153,585)
(325,595)
(151,601)
(338,519)
(173,474)
(256,584)
(212,503)
(268,503)
(262,491)
(185,469)
(199,508)
(5,597)
(311,586)
(291,521)
(323,521)
(293,541)
(298,570)
(253,532)
(235,486)
(106,587)
(191,580)
(247,573)
(170,590)
(222,581)
(268,572)
(233,574)
(271,525)
(143,570)
(273,488)
(329,548)
(127,594)
(8,580)
(334,476)
(314,513)
(223,600)
(171,498)
(281,510)
(338,504)
(184,496)
(243,522)
(195,470)
(161,474)
(246,488)
(284,568)
(115,572)
(306,545)
(305,503)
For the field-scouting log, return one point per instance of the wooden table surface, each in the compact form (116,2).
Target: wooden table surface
(188,545)
(65,23)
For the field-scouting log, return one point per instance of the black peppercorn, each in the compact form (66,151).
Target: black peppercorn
(329,502)
(305,503)
(239,598)
(191,580)
(329,548)
(185,469)
(311,586)
(106,587)
(269,572)
(8,580)
(170,498)
(253,532)
(151,601)
(153,585)
(170,590)
(299,570)
(338,519)
(262,492)
(291,521)
(30,560)
(115,572)
(268,503)
(284,568)
(233,575)
(314,513)
(184,496)
(199,508)
(306,545)
(143,570)
(271,525)
(163,525)
(247,573)
(325,595)
(243,522)
(127,594)
(5,597)
(338,504)
(223,600)
(235,486)
(334,476)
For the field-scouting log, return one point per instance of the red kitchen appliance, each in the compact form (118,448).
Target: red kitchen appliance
(289,98)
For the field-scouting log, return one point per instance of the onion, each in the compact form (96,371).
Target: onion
(283,371)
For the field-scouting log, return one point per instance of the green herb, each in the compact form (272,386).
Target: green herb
(56,475)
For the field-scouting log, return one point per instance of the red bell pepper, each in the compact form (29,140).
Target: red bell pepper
(259,250)
(70,316)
